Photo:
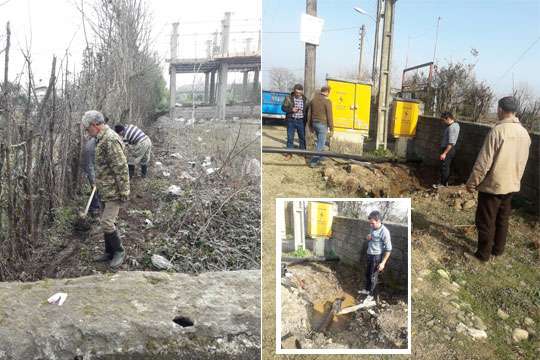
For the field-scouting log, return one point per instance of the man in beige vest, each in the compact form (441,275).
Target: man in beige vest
(497,176)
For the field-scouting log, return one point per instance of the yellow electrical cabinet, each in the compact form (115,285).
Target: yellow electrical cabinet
(351,102)
(405,117)
(319,219)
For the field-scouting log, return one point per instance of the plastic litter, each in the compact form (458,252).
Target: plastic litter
(161,263)
(174,190)
(57,299)
(186,176)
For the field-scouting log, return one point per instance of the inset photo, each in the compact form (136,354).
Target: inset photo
(344,267)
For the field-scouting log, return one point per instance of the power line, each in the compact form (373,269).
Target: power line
(298,32)
(519,58)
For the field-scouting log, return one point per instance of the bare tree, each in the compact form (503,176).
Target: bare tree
(391,211)
(41,140)
(282,79)
(528,107)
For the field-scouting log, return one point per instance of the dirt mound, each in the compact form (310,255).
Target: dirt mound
(372,180)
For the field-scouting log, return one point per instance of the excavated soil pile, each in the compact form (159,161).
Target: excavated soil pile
(373,180)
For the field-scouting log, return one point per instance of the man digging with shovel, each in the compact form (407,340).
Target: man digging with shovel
(112,182)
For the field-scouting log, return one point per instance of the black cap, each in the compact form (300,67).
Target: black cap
(119,128)
(508,104)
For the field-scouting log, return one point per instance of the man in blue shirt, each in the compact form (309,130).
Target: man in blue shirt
(448,146)
(378,252)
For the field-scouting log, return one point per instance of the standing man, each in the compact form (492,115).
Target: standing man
(378,253)
(320,120)
(448,146)
(112,181)
(295,108)
(139,147)
(497,176)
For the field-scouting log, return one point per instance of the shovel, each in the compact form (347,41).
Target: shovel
(82,224)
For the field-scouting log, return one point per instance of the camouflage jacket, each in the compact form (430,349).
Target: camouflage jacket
(112,177)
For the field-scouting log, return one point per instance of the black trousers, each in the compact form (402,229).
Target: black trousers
(372,273)
(492,216)
(445,165)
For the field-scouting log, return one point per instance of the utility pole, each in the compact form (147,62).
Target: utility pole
(408,48)
(362,35)
(311,55)
(224,67)
(383,95)
(172,69)
(374,71)
(436,40)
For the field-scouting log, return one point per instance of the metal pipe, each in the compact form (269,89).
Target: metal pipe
(279,150)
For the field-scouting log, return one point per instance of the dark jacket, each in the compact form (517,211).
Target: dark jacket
(320,109)
(288,105)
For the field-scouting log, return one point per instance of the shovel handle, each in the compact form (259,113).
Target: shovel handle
(89,201)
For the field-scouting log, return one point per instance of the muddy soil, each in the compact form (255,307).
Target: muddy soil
(307,299)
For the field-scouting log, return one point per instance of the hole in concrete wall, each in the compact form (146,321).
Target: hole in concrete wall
(183,321)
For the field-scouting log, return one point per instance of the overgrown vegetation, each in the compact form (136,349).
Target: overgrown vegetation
(40,136)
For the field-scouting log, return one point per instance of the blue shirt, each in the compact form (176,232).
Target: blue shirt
(380,241)
(450,135)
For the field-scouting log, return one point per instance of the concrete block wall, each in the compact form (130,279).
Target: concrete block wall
(350,245)
(426,145)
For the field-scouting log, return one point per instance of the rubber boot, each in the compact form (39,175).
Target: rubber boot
(144,170)
(118,250)
(108,254)
(131,169)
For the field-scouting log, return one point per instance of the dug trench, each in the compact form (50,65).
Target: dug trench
(313,293)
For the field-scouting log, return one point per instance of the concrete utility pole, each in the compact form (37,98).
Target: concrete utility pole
(374,70)
(206,86)
(172,69)
(436,40)
(383,97)
(256,89)
(311,56)
(299,225)
(213,87)
(362,35)
(224,67)
(245,86)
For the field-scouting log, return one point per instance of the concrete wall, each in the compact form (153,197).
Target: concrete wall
(427,142)
(350,245)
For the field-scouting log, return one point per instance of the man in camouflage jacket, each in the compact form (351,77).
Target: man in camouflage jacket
(112,181)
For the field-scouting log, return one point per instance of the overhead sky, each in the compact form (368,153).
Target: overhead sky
(52,26)
(506,35)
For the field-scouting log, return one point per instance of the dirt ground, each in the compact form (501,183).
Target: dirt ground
(212,223)
(316,286)
(453,297)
